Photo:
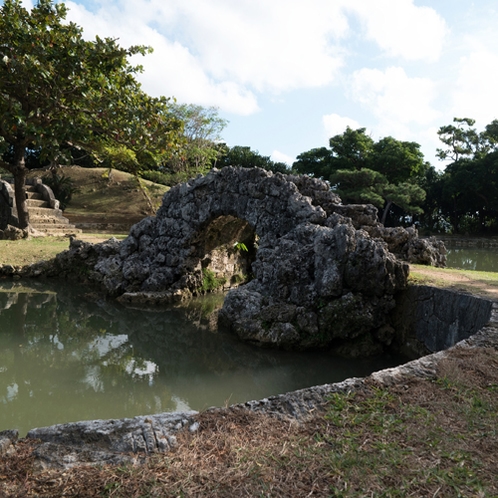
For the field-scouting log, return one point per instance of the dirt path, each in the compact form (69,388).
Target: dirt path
(484,284)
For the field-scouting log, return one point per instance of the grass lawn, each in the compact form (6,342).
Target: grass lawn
(26,252)
(484,284)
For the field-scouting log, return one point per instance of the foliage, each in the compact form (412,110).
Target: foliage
(62,186)
(210,282)
(466,193)
(386,173)
(240,246)
(359,186)
(59,92)
(202,133)
(245,157)
(463,141)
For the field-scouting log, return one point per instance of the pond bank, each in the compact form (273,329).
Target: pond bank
(460,241)
(132,440)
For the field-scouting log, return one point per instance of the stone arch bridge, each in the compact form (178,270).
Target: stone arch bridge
(316,273)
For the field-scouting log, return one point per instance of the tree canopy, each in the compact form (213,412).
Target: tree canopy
(58,90)
(202,133)
(467,190)
(382,173)
(245,157)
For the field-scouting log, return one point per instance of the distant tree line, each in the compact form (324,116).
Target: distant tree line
(393,176)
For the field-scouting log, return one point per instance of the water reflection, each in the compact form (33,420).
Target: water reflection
(476,258)
(65,356)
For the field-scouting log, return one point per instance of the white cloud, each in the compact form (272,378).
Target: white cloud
(171,70)
(220,52)
(402,29)
(280,157)
(278,45)
(336,125)
(475,89)
(393,96)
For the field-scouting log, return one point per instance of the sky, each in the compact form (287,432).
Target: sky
(290,74)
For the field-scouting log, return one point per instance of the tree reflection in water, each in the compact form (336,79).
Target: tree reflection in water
(67,357)
(473,258)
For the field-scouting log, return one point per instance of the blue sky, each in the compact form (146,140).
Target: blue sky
(289,74)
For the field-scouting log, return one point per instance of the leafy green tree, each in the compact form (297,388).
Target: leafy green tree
(352,150)
(315,162)
(245,157)
(364,186)
(398,160)
(461,140)
(433,218)
(202,132)
(59,90)
(386,173)
(468,188)
(470,194)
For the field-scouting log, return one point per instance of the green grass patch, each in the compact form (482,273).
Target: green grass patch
(210,282)
(28,251)
(481,283)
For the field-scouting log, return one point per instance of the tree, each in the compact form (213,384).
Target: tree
(315,162)
(245,157)
(462,140)
(202,133)
(386,173)
(468,188)
(352,150)
(399,161)
(363,186)
(58,90)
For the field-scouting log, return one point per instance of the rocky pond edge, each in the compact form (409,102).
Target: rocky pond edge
(132,440)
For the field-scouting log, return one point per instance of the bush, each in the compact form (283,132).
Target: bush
(62,186)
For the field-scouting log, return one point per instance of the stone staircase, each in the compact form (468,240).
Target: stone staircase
(45,218)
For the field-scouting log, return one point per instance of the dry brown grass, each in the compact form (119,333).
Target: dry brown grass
(104,198)
(29,251)
(480,283)
(426,438)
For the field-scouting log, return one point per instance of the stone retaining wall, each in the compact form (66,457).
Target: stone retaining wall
(428,319)
(451,241)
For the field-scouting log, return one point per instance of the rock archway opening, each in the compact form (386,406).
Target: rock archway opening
(225,250)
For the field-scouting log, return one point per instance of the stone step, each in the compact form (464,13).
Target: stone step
(60,231)
(55,227)
(34,195)
(42,211)
(37,203)
(49,222)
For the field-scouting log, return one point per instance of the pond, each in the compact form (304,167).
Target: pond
(68,356)
(473,258)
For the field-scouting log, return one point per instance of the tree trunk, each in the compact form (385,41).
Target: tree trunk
(20,173)
(386,211)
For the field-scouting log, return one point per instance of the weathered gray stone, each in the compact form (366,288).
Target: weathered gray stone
(13,233)
(113,441)
(322,273)
(428,319)
(7,439)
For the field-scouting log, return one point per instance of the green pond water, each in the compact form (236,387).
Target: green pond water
(67,356)
(476,258)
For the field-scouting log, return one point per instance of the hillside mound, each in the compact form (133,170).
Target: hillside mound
(108,199)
